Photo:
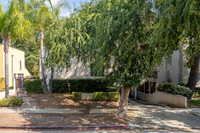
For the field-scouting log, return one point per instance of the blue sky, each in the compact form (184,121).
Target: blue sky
(72,3)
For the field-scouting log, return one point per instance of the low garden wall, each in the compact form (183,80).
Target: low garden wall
(160,97)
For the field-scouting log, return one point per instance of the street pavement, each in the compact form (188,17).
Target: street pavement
(142,118)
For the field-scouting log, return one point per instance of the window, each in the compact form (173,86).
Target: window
(20,65)
(93,72)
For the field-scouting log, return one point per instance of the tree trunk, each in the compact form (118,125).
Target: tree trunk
(45,90)
(6,50)
(192,81)
(123,104)
(50,81)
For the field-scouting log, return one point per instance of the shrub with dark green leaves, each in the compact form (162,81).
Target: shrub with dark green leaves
(99,96)
(112,89)
(182,83)
(77,95)
(174,89)
(11,102)
(79,85)
(33,86)
(113,96)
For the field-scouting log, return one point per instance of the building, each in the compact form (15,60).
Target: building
(174,69)
(16,65)
(171,70)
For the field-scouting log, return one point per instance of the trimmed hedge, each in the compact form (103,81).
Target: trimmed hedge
(174,89)
(113,96)
(112,89)
(79,85)
(99,96)
(33,86)
(77,95)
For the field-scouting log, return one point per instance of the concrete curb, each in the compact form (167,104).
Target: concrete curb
(114,127)
(85,128)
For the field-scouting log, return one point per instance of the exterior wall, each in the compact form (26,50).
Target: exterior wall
(174,71)
(15,57)
(1,61)
(160,97)
(77,71)
(2,79)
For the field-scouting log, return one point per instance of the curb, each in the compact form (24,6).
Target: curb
(120,127)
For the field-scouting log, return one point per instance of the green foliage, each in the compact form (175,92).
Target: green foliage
(113,96)
(182,83)
(112,89)
(174,89)
(33,86)
(11,102)
(13,23)
(99,96)
(77,95)
(79,85)
(195,102)
(118,32)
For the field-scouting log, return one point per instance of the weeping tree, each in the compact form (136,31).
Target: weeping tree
(177,25)
(191,15)
(119,32)
(13,25)
(64,43)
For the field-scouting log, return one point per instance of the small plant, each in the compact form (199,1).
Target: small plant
(113,96)
(11,102)
(112,89)
(174,89)
(196,102)
(77,95)
(99,96)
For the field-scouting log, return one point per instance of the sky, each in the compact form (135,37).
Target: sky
(65,12)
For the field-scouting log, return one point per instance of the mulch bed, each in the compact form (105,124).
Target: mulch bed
(67,101)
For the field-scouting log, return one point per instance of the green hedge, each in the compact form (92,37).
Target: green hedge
(33,86)
(113,96)
(77,95)
(174,89)
(79,85)
(112,89)
(99,96)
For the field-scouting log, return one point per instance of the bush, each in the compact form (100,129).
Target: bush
(113,96)
(11,102)
(174,89)
(99,96)
(112,89)
(79,85)
(182,83)
(77,95)
(33,86)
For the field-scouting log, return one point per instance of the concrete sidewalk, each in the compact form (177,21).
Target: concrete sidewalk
(140,117)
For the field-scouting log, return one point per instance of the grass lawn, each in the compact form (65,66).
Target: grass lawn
(195,103)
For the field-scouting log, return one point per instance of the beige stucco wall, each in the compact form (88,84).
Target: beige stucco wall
(174,69)
(160,97)
(15,56)
(77,71)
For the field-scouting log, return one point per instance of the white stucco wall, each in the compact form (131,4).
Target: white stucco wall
(174,67)
(15,56)
(77,71)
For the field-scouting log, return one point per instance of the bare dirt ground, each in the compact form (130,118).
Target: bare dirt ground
(67,101)
(60,120)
